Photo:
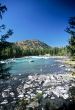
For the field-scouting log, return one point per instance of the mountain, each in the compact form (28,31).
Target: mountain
(28,48)
(32,44)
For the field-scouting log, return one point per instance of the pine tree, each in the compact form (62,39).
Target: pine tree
(3,44)
(71,30)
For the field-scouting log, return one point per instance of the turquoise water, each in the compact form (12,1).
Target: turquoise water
(38,65)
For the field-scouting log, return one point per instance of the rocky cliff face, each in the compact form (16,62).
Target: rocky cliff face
(32,44)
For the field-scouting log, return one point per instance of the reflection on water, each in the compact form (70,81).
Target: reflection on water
(4,71)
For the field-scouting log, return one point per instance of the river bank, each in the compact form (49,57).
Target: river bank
(30,87)
(54,87)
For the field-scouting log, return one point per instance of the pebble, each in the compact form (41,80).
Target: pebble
(30,77)
(39,91)
(12,94)
(52,97)
(4,94)
(44,95)
(65,96)
(4,102)
(53,86)
(21,96)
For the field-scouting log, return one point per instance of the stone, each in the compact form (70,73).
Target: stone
(44,95)
(12,94)
(65,96)
(62,66)
(52,97)
(55,93)
(52,77)
(27,96)
(39,91)
(47,82)
(30,77)
(4,102)
(21,96)
(4,94)
(32,95)
(26,86)
(7,90)
(33,105)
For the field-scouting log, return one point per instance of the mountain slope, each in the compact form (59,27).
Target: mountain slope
(32,44)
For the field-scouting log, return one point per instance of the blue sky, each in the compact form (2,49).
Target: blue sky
(44,20)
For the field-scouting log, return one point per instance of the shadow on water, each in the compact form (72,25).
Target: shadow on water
(4,71)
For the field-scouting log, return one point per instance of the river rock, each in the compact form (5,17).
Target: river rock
(47,82)
(4,102)
(30,77)
(21,95)
(12,94)
(5,94)
(26,86)
(39,91)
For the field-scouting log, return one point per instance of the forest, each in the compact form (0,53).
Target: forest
(13,51)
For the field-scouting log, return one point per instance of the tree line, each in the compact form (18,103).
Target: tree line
(16,51)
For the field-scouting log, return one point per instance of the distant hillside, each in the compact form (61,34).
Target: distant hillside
(28,48)
(32,44)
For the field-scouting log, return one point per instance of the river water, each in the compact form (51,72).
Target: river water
(35,64)
(13,89)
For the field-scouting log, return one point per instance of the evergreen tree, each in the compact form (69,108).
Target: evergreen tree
(3,42)
(4,51)
(71,30)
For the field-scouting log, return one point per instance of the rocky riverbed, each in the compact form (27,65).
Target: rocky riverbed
(52,86)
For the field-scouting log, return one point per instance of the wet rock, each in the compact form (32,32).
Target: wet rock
(66,96)
(59,91)
(44,95)
(5,94)
(21,95)
(30,77)
(47,82)
(12,94)
(4,102)
(32,95)
(52,97)
(33,105)
(26,86)
(39,91)
(50,86)
(62,66)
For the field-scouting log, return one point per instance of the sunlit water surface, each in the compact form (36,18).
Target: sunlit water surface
(36,65)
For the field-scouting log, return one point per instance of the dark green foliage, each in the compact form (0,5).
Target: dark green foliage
(3,8)
(71,30)
(21,104)
(11,50)
(69,104)
(4,46)
(4,72)
(48,104)
(23,49)
(3,43)
(72,93)
(7,35)
(39,97)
